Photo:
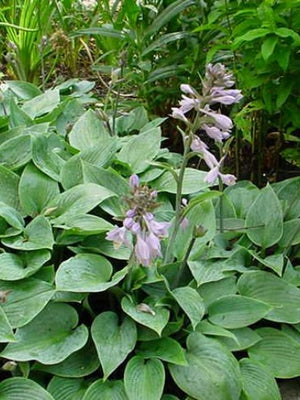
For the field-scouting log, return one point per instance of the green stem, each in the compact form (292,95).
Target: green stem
(169,250)
(184,262)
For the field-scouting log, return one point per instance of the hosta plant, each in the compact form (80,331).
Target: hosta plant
(123,274)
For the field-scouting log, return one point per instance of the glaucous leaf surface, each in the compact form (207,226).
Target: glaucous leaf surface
(50,337)
(144,378)
(113,340)
(258,383)
(155,320)
(267,221)
(278,352)
(108,390)
(67,389)
(212,372)
(22,389)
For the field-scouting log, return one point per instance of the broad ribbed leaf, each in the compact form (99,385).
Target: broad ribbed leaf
(156,318)
(281,295)
(42,104)
(109,390)
(76,365)
(36,190)
(22,389)
(50,337)
(114,341)
(25,299)
(235,311)
(243,339)
(37,235)
(191,302)
(88,132)
(11,216)
(15,152)
(14,267)
(67,389)
(102,153)
(6,333)
(258,383)
(87,273)
(9,183)
(212,371)
(193,182)
(278,352)
(45,158)
(166,349)
(144,379)
(78,200)
(267,221)
(140,150)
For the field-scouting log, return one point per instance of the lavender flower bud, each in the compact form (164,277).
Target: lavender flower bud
(134,181)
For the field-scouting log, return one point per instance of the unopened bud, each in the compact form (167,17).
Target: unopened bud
(9,366)
(199,231)
(145,308)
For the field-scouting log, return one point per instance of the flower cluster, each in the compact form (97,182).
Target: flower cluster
(215,90)
(140,224)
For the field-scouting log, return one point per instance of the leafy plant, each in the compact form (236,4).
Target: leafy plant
(81,319)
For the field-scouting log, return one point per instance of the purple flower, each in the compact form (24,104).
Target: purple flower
(118,236)
(134,181)
(215,133)
(228,179)
(187,89)
(212,175)
(226,96)
(177,113)
(142,251)
(184,223)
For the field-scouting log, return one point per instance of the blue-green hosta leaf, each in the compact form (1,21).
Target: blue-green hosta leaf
(24,90)
(76,365)
(291,233)
(14,267)
(11,216)
(193,182)
(208,329)
(191,302)
(42,104)
(37,235)
(288,193)
(235,311)
(268,221)
(154,317)
(36,190)
(67,389)
(278,352)
(44,157)
(15,152)
(78,200)
(281,295)
(206,271)
(109,390)
(211,291)
(166,349)
(212,372)
(71,173)
(144,379)
(9,182)
(258,383)
(101,154)
(88,132)
(22,389)
(98,244)
(243,339)
(140,150)
(85,225)
(87,273)
(26,299)
(108,178)
(18,118)
(6,333)
(114,341)
(50,337)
